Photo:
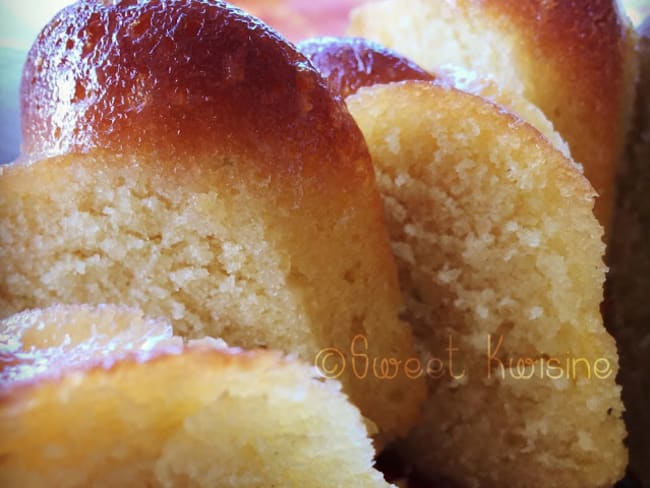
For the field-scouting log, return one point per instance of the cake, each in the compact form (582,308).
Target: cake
(574,60)
(500,261)
(501,268)
(117,401)
(182,157)
(349,63)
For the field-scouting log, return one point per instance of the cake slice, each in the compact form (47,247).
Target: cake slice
(500,262)
(103,396)
(182,157)
(574,60)
(501,268)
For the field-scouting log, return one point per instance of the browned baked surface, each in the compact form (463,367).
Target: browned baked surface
(117,401)
(574,60)
(581,77)
(497,250)
(349,63)
(182,78)
(199,168)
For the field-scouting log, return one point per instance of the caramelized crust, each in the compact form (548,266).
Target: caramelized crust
(591,77)
(572,59)
(195,130)
(350,63)
(180,78)
(119,402)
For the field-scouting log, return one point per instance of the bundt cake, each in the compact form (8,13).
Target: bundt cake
(348,63)
(500,261)
(574,60)
(182,157)
(117,401)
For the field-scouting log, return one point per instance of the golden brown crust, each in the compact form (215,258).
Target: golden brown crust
(181,78)
(585,43)
(574,60)
(209,357)
(350,63)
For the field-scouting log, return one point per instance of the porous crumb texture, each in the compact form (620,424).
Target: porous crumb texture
(349,63)
(202,171)
(498,251)
(219,248)
(471,82)
(573,60)
(172,415)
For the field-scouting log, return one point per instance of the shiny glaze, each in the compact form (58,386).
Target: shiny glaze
(350,63)
(178,79)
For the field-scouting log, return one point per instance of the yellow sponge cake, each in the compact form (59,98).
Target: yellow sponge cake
(573,59)
(500,263)
(117,401)
(197,167)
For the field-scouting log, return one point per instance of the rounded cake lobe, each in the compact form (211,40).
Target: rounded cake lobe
(350,63)
(148,410)
(230,190)
(177,77)
(464,184)
(573,59)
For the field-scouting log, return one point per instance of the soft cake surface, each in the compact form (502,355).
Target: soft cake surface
(140,413)
(499,253)
(201,171)
(572,59)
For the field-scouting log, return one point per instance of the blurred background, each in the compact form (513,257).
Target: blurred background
(21,21)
